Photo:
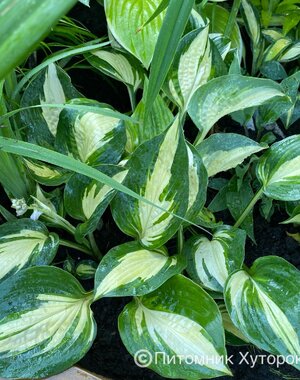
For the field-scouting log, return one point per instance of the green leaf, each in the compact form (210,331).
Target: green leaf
(223,151)
(117,65)
(264,305)
(276,49)
(238,198)
(46,174)
(86,269)
(191,67)
(291,53)
(198,181)
(131,270)
(181,321)
(224,95)
(172,29)
(124,18)
(86,199)
(158,170)
(210,262)
(90,137)
(21,28)
(294,216)
(158,120)
(46,324)
(51,86)
(25,243)
(279,170)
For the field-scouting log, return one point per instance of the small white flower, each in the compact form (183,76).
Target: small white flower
(20,206)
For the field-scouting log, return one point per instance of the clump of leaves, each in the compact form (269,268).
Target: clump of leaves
(66,160)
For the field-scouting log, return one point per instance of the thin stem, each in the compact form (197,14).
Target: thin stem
(232,18)
(180,240)
(96,251)
(250,206)
(132,97)
(71,244)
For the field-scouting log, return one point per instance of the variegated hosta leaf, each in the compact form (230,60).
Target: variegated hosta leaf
(252,22)
(224,95)
(86,269)
(117,65)
(46,324)
(279,170)
(158,120)
(25,243)
(291,53)
(180,327)
(131,270)
(276,49)
(224,151)
(197,183)
(51,86)
(86,199)
(158,171)
(210,262)
(264,304)
(218,17)
(233,334)
(126,17)
(191,67)
(90,137)
(294,217)
(46,174)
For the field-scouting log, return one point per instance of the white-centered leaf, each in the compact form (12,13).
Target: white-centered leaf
(46,174)
(173,320)
(46,324)
(158,170)
(117,65)
(224,151)
(210,262)
(126,18)
(51,86)
(86,199)
(25,243)
(224,95)
(191,67)
(279,170)
(91,137)
(264,305)
(130,270)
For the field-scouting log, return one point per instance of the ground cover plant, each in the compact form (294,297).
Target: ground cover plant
(183,191)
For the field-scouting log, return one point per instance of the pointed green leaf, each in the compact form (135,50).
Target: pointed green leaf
(210,262)
(125,17)
(46,324)
(197,183)
(158,170)
(180,321)
(51,86)
(90,137)
(224,95)
(264,305)
(86,199)
(291,53)
(46,174)
(131,270)
(279,170)
(223,151)
(25,243)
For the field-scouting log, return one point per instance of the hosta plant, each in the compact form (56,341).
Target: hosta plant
(158,174)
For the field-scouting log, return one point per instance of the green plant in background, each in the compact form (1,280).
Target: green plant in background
(66,159)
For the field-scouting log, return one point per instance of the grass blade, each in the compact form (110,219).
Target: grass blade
(46,155)
(173,26)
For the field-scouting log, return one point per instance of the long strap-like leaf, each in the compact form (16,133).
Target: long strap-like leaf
(39,153)
(173,26)
(23,23)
